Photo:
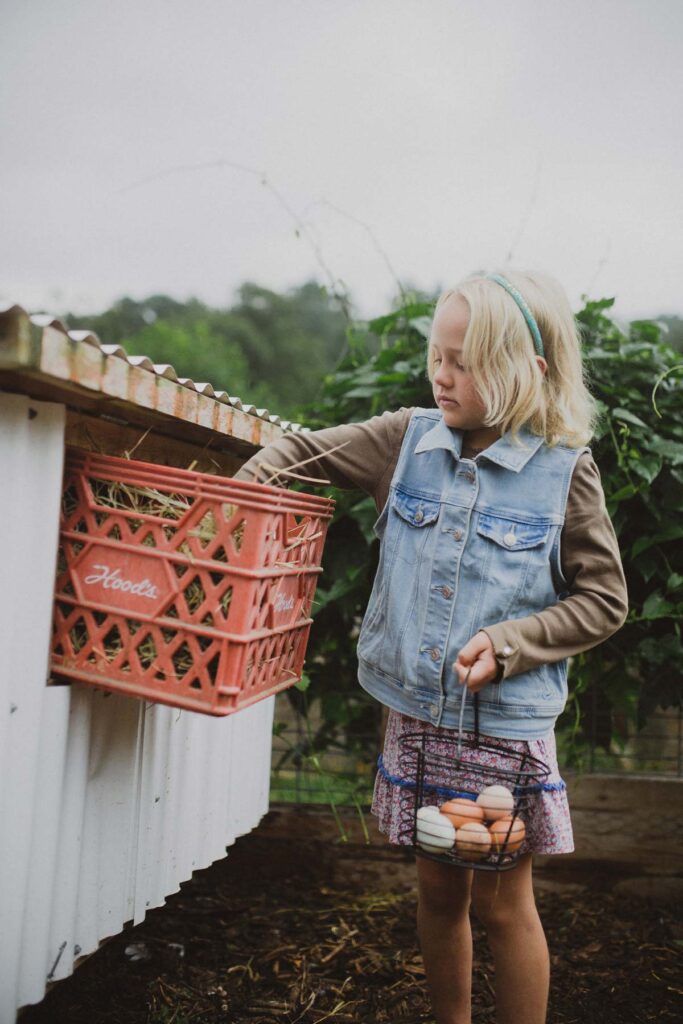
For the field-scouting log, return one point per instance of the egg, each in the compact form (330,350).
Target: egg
(472,841)
(461,810)
(507,834)
(496,802)
(434,832)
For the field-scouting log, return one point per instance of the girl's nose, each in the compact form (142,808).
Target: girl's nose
(442,376)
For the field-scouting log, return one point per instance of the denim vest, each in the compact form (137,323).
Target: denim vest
(464,545)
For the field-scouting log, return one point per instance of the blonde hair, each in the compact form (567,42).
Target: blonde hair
(499,354)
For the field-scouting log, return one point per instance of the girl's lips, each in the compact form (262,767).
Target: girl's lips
(442,400)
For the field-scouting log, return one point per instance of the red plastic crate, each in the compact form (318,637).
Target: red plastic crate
(183,588)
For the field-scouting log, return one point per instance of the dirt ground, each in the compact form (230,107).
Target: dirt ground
(297,927)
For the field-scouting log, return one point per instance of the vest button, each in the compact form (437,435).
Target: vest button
(457,534)
(434,709)
(469,477)
(435,653)
(446,591)
(510,539)
(419,516)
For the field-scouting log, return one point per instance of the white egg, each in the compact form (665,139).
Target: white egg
(430,848)
(435,832)
(496,801)
(428,813)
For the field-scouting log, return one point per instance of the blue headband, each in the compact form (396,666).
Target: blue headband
(526,312)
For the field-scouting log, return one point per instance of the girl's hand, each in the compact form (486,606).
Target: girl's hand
(477,657)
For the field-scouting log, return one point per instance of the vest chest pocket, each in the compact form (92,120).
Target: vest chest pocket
(412,519)
(511,555)
(511,535)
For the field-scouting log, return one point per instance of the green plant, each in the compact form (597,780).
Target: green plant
(636,378)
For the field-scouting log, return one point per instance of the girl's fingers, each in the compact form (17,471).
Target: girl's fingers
(479,676)
(468,653)
(483,671)
(461,669)
(474,648)
(477,655)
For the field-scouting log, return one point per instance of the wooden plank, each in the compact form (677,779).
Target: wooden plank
(632,824)
(230,427)
(628,820)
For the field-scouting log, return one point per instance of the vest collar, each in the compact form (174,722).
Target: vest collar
(505,452)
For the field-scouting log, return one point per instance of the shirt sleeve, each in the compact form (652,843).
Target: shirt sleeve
(597,603)
(352,455)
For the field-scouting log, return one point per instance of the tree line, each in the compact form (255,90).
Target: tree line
(270,349)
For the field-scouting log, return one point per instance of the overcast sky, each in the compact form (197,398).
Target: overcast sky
(421,140)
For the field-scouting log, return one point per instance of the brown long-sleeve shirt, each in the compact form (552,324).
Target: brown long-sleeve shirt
(364,456)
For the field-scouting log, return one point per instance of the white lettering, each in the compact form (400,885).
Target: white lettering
(112,580)
(283,604)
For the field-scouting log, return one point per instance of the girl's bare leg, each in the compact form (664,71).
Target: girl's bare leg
(443,927)
(504,903)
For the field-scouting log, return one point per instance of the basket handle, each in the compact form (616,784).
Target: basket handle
(462,712)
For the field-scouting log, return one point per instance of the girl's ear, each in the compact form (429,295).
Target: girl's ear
(542,365)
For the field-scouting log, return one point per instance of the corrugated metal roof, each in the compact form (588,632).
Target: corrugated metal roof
(31,341)
(162,370)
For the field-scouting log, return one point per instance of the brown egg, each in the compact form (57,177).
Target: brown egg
(472,841)
(507,834)
(461,810)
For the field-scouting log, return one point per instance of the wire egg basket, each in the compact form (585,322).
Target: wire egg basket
(482,789)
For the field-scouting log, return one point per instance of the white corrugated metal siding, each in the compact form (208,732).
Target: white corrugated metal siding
(106,803)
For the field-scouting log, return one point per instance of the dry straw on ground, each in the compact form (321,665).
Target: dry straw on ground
(288,930)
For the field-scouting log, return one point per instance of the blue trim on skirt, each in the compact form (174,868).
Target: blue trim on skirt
(397,780)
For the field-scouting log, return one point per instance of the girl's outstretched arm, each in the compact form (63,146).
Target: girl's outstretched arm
(597,603)
(352,455)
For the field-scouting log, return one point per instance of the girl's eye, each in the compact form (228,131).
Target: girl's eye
(459,366)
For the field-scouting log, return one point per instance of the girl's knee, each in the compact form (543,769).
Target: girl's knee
(502,901)
(494,912)
(502,913)
(443,889)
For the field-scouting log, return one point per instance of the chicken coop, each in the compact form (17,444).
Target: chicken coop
(107,803)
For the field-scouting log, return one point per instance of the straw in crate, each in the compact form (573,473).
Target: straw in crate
(457,808)
(183,588)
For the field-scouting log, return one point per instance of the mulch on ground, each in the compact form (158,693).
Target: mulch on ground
(300,931)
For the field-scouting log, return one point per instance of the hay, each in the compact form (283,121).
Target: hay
(142,500)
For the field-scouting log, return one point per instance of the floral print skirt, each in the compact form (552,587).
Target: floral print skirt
(547,820)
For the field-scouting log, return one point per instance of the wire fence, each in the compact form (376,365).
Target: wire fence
(343,773)
(655,749)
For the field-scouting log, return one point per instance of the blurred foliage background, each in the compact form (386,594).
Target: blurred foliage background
(270,349)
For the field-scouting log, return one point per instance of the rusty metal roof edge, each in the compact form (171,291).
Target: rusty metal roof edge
(42,321)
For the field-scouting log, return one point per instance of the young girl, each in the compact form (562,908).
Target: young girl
(497,562)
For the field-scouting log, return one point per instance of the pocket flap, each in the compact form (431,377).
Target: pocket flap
(416,511)
(511,534)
